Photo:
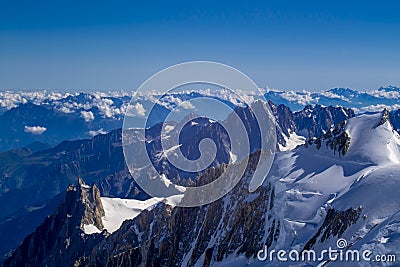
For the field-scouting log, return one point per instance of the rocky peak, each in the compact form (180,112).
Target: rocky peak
(284,121)
(335,224)
(92,207)
(82,205)
(60,237)
(313,121)
(385,117)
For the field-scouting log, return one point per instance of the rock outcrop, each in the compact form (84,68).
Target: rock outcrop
(60,237)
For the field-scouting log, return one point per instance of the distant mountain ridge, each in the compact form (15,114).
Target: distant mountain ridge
(65,116)
(359,101)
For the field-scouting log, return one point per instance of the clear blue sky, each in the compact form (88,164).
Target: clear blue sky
(87,45)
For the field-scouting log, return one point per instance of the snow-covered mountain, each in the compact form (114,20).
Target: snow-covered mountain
(293,128)
(356,174)
(341,184)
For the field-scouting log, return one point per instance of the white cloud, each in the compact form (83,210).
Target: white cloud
(105,105)
(333,95)
(187,105)
(303,98)
(136,110)
(37,130)
(376,108)
(100,131)
(171,102)
(65,110)
(384,94)
(87,115)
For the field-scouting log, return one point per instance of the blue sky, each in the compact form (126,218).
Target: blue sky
(102,45)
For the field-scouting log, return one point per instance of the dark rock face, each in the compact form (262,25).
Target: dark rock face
(23,222)
(336,139)
(131,257)
(395,120)
(60,237)
(284,120)
(93,209)
(190,136)
(385,117)
(335,224)
(312,121)
(196,130)
(249,120)
(167,236)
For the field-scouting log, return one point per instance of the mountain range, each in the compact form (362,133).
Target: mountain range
(52,117)
(299,205)
(75,203)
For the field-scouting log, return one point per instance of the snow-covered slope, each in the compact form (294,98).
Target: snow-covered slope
(373,139)
(292,141)
(314,180)
(118,210)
